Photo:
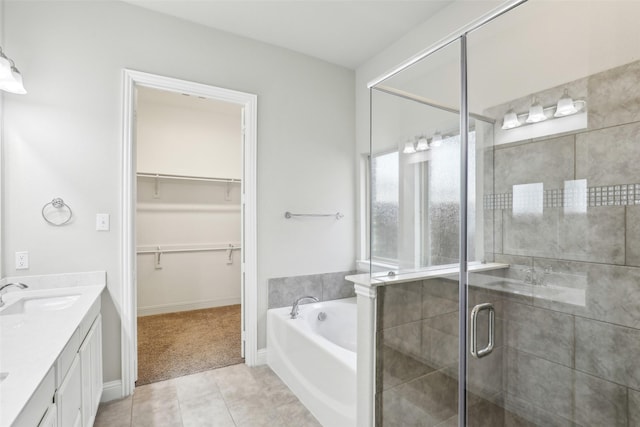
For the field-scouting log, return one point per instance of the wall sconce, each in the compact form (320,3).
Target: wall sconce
(10,77)
(565,106)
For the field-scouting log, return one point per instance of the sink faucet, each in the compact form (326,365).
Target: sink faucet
(294,309)
(2,289)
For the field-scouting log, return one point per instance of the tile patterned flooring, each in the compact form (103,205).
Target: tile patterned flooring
(235,396)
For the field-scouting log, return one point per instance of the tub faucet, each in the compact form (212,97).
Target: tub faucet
(294,309)
(2,289)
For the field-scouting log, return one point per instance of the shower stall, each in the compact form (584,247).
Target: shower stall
(504,213)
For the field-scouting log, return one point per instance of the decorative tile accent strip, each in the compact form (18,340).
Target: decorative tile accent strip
(607,195)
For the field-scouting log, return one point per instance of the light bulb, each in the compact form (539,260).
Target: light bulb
(565,106)
(409,147)
(422,144)
(536,113)
(436,140)
(510,120)
(14,83)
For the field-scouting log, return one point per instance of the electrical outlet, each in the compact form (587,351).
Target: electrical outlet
(22,260)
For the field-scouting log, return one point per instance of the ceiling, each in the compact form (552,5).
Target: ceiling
(345,33)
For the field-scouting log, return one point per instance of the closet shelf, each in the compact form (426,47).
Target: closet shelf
(187,177)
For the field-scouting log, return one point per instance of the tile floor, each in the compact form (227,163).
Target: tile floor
(227,397)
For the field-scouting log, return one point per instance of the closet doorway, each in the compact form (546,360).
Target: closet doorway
(189,173)
(192,183)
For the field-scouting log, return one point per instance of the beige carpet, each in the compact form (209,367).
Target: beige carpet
(176,344)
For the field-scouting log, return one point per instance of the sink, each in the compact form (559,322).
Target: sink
(3,376)
(40,304)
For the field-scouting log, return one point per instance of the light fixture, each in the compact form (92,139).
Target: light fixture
(436,140)
(536,112)
(565,106)
(10,77)
(510,120)
(409,148)
(422,144)
(5,66)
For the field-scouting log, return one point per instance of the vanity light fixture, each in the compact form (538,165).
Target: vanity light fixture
(422,144)
(565,106)
(536,112)
(10,77)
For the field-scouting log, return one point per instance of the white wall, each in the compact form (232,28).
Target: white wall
(64,137)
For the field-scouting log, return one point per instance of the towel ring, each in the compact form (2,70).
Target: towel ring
(57,203)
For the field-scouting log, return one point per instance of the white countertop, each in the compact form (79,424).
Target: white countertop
(31,343)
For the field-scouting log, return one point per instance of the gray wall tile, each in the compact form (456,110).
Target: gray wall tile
(399,304)
(634,407)
(440,340)
(599,403)
(608,351)
(405,338)
(609,156)
(611,293)
(522,413)
(335,286)
(531,235)
(597,236)
(396,367)
(439,296)
(542,383)
(550,162)
(614,96)
(544,333)
(632,232)
(283,291)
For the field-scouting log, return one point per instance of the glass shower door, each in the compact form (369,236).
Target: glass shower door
(415,215)
(554,334)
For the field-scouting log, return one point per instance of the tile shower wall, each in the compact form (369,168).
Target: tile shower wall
(283,291)
(574,363)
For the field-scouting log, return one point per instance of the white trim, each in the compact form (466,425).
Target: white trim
(249,102)
(261,357)
(186,306)
(366,355)
(111,391)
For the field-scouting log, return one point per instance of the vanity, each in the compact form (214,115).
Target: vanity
(51,351)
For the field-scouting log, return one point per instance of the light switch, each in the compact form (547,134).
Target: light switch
(102,222)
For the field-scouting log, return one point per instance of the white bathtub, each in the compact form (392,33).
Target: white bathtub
(317,359)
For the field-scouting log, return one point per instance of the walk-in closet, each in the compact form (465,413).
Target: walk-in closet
(188,231)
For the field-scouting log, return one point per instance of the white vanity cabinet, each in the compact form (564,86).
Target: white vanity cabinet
(91,366)
(79,392)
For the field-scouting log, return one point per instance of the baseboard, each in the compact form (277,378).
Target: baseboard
(261,357)
(197,305)
(111,391)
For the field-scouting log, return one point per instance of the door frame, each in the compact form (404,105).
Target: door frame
(128,307)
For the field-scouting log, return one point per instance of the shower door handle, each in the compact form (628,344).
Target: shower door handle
(474,330)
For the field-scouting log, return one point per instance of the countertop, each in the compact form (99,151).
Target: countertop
(31,343)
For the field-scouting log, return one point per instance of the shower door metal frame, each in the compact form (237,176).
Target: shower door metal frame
(463,314)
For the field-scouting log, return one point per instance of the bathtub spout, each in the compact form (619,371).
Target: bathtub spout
(294,309)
